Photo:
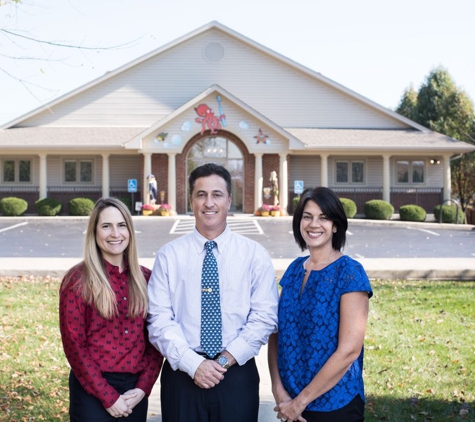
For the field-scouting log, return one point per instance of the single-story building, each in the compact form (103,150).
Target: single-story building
(215,95)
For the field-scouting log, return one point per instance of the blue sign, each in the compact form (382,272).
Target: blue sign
(298,186)
(132,185)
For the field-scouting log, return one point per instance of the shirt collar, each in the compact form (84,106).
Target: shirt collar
(199,240)
(111,269)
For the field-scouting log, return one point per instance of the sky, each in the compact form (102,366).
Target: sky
(376,48)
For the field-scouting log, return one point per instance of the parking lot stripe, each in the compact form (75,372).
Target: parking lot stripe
(14,227)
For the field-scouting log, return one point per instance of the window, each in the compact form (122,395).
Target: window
(16,171)
(410,171)
(78,171)
(350,172)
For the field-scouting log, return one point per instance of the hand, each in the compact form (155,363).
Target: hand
(290,411)
(280,394)
(208,374)
(119,408)
(133,397)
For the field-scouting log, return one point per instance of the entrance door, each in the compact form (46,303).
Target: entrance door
(223,151)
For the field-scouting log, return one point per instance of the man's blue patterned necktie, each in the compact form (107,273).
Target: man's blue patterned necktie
(211,338)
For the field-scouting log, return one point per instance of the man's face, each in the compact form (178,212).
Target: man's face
(210,202)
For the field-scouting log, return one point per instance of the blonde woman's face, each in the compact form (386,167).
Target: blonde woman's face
(112,235)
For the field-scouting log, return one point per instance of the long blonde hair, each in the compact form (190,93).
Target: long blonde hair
(93,282)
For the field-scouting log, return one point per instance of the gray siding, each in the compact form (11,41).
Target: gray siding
(306,168)
(152,89)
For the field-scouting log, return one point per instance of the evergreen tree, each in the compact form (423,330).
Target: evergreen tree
(442,107)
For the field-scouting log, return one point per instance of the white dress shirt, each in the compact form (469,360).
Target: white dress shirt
(248,291)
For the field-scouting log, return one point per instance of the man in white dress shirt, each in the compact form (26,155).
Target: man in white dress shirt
(194,386)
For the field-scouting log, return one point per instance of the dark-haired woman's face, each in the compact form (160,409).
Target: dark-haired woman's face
(315,228)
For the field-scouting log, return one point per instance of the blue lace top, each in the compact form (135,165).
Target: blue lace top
(308,328)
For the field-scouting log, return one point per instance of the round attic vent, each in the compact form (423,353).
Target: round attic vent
(214,52)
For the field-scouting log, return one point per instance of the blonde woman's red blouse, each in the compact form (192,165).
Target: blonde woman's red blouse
(94,345)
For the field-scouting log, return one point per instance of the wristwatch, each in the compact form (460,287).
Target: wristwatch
(222,361)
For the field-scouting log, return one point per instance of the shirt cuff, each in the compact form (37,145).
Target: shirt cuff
(240,351)
(189,362)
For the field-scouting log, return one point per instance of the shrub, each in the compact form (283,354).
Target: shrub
(349,207)
(13,207)
(295,201)
(48,206)
(377,209)
(448,214)
(126,200)
(412,213)
(81,206)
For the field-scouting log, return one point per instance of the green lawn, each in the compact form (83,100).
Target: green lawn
(420,352)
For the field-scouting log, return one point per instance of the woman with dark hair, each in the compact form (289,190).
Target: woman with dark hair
(316,358)
(102,309)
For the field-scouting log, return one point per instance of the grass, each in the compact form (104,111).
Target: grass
(420,352)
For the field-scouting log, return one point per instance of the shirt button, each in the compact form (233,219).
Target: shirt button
(125,298)
(126,331)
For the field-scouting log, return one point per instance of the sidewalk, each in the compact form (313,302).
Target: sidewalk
(376,268)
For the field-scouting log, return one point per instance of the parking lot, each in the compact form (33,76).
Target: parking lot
(63,237)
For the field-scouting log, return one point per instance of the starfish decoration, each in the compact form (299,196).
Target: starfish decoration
(261,137)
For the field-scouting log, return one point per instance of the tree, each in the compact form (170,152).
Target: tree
(27,47)
(408,104)
(442,107)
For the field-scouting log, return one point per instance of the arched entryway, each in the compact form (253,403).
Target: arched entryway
(220,150)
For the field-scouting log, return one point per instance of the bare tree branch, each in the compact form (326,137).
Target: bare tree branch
(58,44)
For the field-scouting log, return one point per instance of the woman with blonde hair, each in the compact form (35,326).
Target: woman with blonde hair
(102,309)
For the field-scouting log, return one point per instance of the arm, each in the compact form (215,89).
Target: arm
(165,333)
(278,390)
(152,359)
(353,317)
(262,314)
(72,318)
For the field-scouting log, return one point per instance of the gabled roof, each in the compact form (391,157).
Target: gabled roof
(218,26)
(136,143)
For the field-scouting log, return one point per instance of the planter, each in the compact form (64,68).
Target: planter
(264,213)
(147,212)
(275,213)
(165,213)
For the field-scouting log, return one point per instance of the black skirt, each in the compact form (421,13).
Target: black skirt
(85,407)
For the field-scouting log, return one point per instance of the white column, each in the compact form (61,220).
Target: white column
(324,170)
(283,182)
(43,191)
(105,176)
(147,169)
(447,178)
(172,180)
(258,183)
(386,179)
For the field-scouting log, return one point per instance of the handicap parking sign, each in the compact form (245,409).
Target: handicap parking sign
(298,187)
(132,185)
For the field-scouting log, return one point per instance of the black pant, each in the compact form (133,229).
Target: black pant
(85,407)
(352,412)
(234,399)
